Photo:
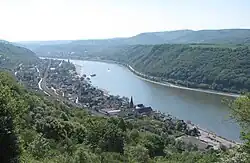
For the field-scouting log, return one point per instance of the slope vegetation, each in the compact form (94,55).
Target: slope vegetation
(207,66)
(223,36)
(36,129)
(217,68)
(11,55)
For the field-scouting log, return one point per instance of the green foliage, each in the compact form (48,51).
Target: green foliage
(112,140)
(154,144)
(106,135)
(35,129)
(224,36)
(137,153)
(10,102)
(205,66)
(112,157)
(241,112)
(198,64)
(134,136)
(11,55)
(236,155)
(39,147)
(189,157)
(217,68)
(82,155)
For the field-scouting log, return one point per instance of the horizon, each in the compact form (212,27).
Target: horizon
(35,20)
(34,41)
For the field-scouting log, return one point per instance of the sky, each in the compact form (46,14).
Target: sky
(26,20)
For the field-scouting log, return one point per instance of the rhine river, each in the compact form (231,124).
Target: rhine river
(203,109)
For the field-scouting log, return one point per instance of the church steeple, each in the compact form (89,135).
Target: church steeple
(131,103)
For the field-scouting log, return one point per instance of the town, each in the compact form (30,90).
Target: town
(60,79)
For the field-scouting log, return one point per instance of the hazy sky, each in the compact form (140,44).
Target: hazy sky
(88,19)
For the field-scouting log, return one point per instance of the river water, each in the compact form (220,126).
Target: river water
(205,110)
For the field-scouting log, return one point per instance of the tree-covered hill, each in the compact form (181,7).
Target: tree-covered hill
(207,67)
(36,129)
(222,36)
(11,55)
(221,67)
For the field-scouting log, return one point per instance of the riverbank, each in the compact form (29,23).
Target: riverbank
(206,135)
(139,75)
(147,78)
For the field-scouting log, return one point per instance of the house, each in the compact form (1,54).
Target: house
(143,110)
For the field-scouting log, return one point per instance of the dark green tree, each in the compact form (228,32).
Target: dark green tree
(137,153)
(9,146)
(241,112)
(154,144)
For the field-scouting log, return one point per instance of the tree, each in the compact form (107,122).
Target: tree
(82,155)
(236,155)
(39,147)
(9,145)
(46,131)
(122,125)
(134,135)
(112,140)
(154,144)
(137,154)
(241,112)
(12,108)
(113,157)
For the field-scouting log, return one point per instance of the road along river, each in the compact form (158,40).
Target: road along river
(204,109)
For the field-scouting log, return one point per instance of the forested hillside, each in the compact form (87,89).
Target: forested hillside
(35,129)
(11,55)
(206,66)
(218,68)
(223,36)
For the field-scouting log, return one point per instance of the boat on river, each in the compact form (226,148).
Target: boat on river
(93,75)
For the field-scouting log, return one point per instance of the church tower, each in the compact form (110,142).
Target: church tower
(131,103)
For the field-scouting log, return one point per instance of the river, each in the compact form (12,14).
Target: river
(205,110)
